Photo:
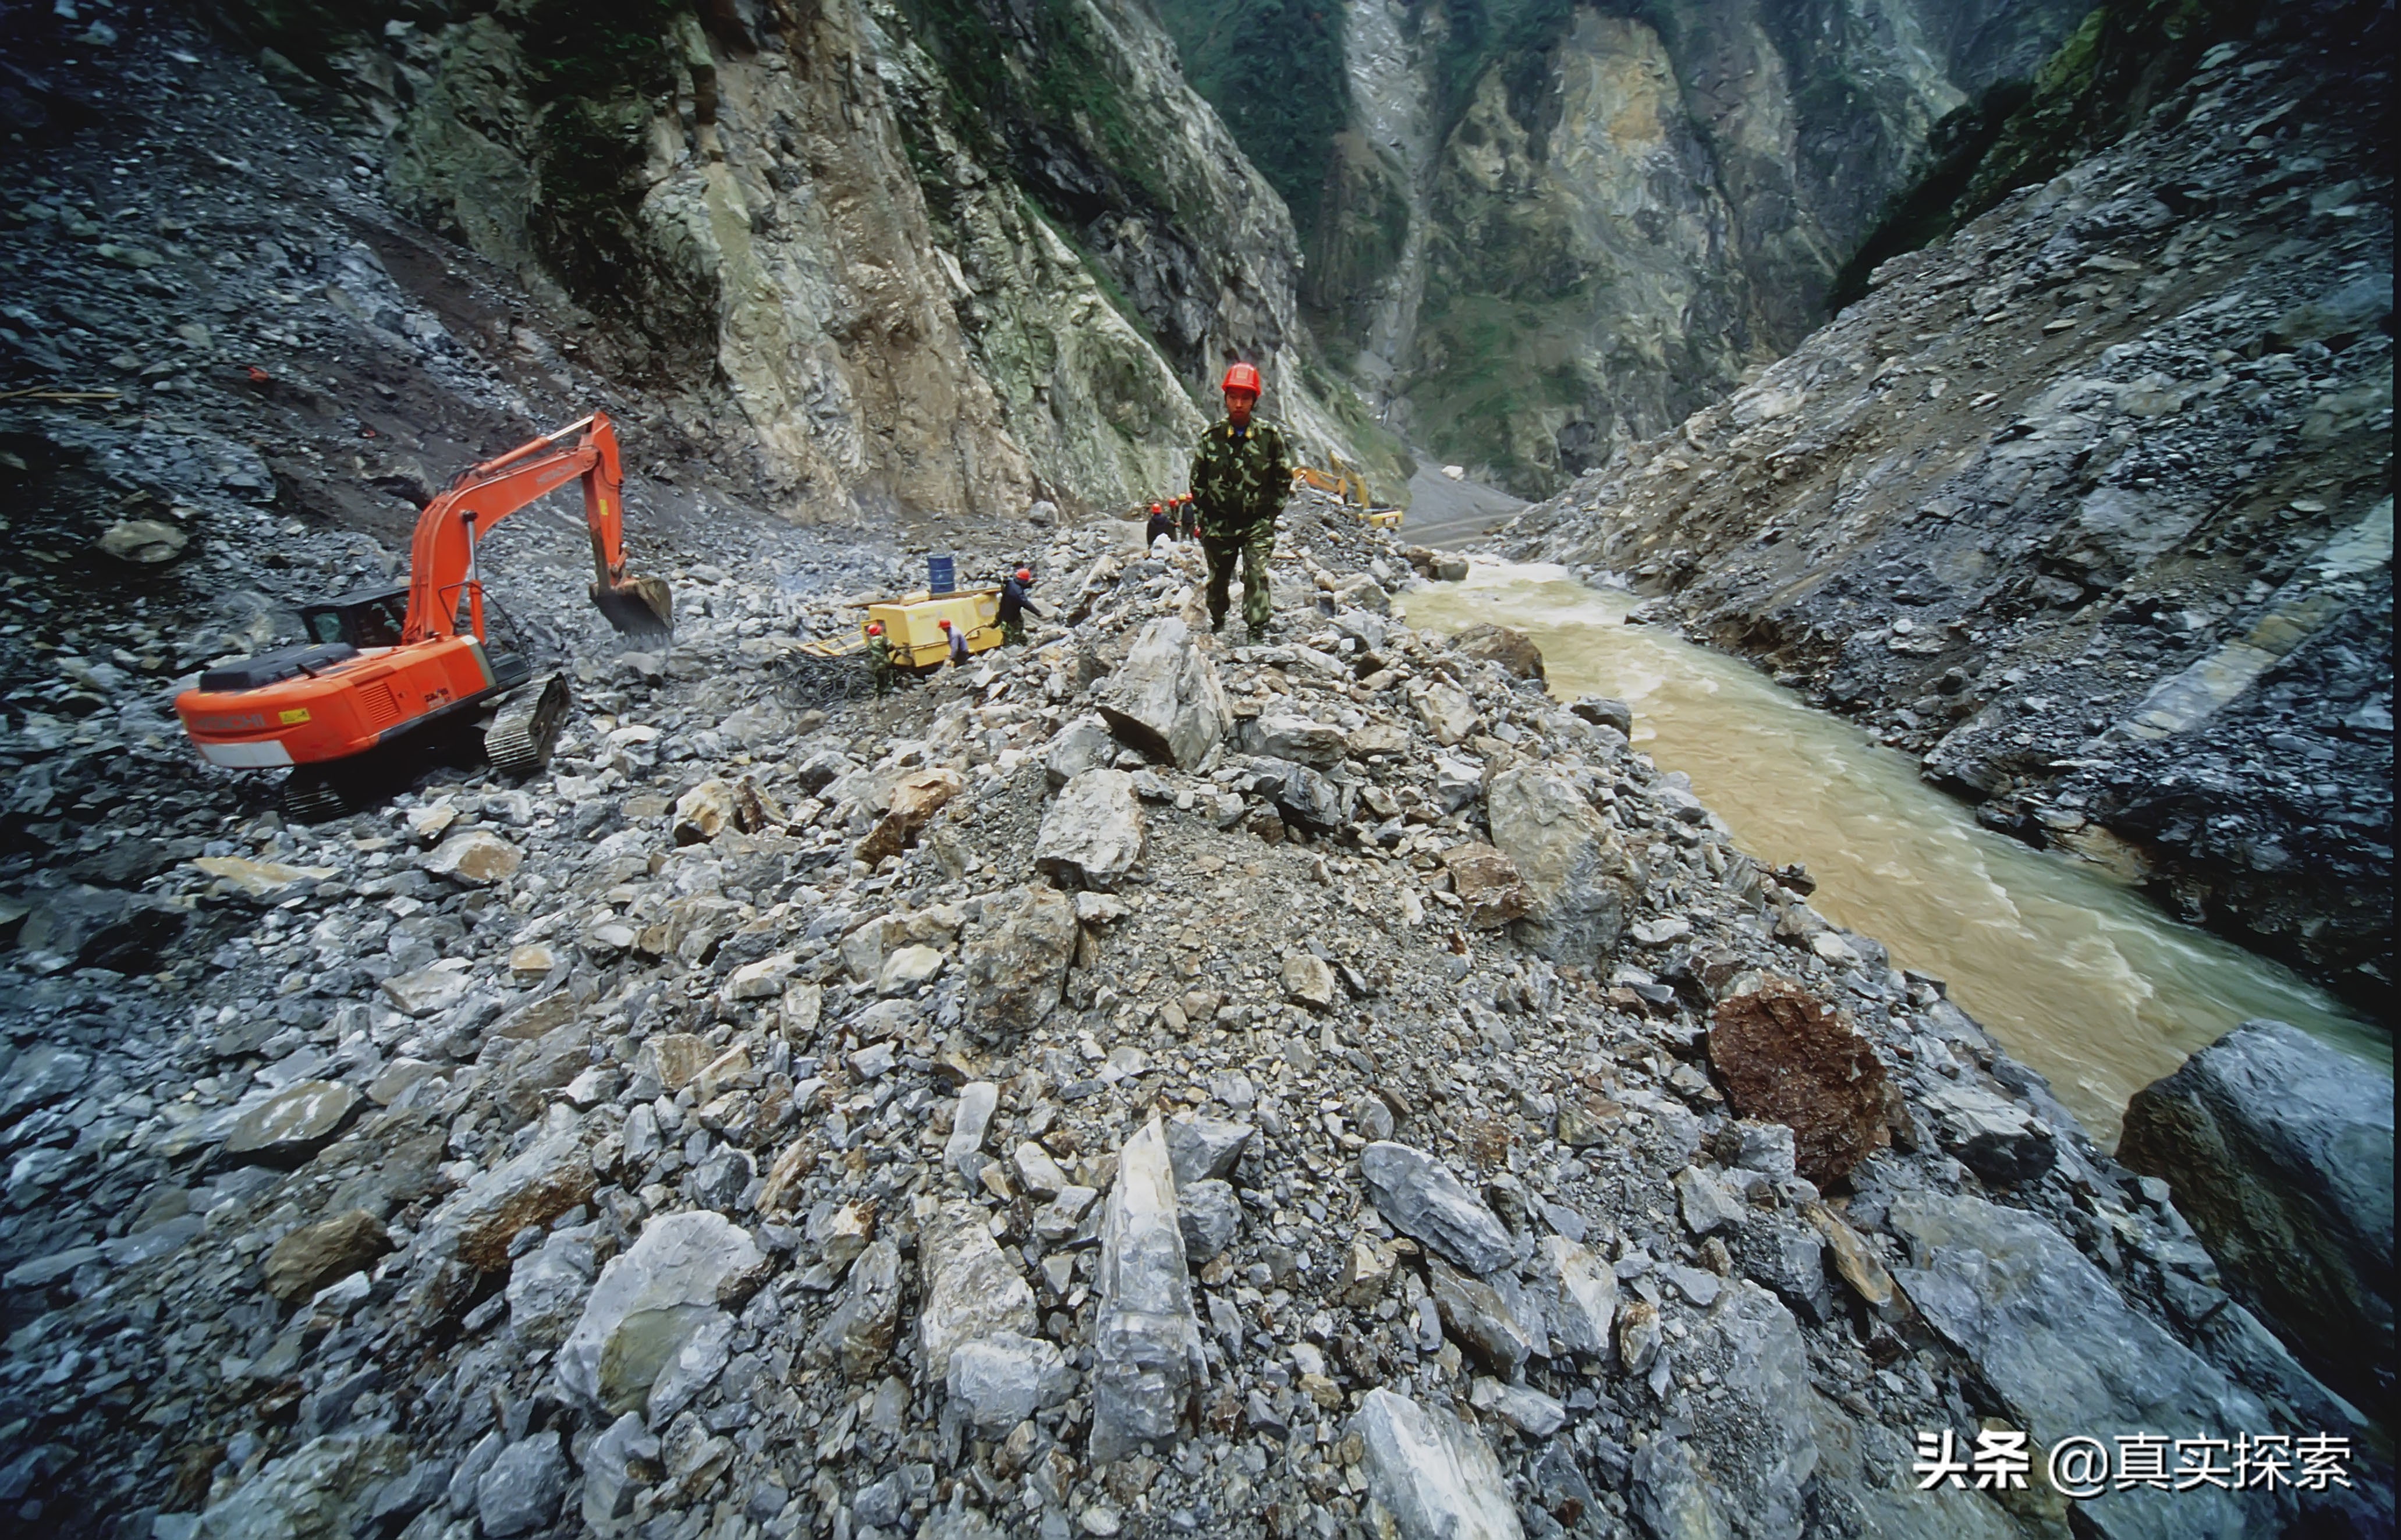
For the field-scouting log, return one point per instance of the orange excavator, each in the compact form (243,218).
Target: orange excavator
(391,669)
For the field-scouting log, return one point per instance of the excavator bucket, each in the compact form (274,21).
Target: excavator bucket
(637,607)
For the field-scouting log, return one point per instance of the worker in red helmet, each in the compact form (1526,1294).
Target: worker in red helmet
(879,657)
(1187,518)
(958,639)
(1162,522)
(1014,604)
(1241,475)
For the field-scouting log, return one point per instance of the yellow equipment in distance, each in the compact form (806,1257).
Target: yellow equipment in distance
(1341,481)
(1351,488)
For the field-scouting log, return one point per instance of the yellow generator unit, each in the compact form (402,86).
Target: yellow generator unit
(913,624)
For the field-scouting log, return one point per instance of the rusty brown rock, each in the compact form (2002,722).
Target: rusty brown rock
(1787,1056)
(1489,888)
(548,1178)
(315,1254)
(915,799)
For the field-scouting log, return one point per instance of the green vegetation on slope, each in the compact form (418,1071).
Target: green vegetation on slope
(1273,69)
(599,70)
(1038,79)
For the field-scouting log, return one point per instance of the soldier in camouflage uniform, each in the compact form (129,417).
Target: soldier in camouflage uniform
(879,658)
(1241,475)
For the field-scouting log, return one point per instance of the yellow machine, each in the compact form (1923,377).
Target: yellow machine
(913,624)
(1351,487)
(1341,481)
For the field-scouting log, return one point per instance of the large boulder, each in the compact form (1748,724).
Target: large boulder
(1287,734)
(997,1381)
(1164,699)
(910,806)
(859,1335)
(1579,880)
(1200,1148)
(1436,1480)
(651,1299)
(541,1182)
(1786,1056)
(294,1123)
(2279,1150)
(2067,1356)
(1448,713)
(101,927)
(475,858)
(324,1487)
(1420,1197)
(1767,1411)
(1093,834)
(1495,1321)
(143,542)
(972,1290)
(1302,795)
(40,1075)
(1084,744)
(1017,963)
(1512,649)
(1147,1365)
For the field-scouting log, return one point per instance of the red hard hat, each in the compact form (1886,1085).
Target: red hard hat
(875,628)
(1241,376)
(945,624)
(1026,574)
(1154,507)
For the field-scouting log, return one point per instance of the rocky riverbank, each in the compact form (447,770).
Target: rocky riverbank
(2089,506)
(1133,1084)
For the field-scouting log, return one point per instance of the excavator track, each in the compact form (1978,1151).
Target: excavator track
(524,730)
(310,796)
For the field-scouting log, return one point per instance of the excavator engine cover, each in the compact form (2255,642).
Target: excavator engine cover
(256,673)
(637,607)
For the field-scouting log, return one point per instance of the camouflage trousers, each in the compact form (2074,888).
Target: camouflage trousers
(1012,632)
(1251,548)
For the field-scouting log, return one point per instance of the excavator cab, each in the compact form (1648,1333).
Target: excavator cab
(369,617)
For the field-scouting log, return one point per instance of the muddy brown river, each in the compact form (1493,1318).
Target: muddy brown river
(2077,975)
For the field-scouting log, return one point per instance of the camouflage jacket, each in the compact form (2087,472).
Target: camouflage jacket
(1240,479)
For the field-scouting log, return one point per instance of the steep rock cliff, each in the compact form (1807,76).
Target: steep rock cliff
(1547,227)
(2089,505)
(909,259)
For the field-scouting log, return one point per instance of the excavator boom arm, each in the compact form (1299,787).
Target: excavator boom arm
(442,567)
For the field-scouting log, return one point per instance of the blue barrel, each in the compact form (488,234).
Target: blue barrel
(942,575)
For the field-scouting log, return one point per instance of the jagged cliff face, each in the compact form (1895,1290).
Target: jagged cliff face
(883,264)
(1548,228)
